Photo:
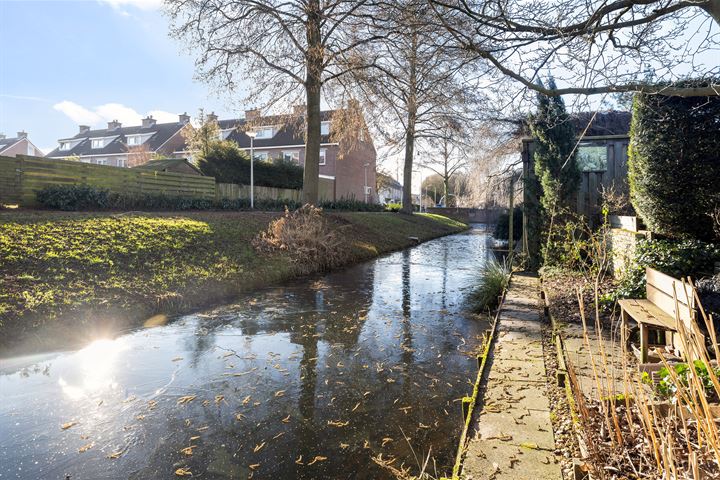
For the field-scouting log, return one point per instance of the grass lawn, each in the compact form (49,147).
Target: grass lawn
(83,266)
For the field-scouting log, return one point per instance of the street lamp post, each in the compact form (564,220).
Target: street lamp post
(365,188)
(252,135)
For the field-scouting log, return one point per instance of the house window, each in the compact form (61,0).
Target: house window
(121,162)
(134,140)
(98,143)
(65,145)
(31,150)
(325,128)
(262,156)
(323,155)
(264,132)
(101,161)
(592,158)
(292,156)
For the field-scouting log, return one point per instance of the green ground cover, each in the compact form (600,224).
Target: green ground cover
(85,267)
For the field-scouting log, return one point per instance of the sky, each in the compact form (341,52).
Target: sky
(67,63)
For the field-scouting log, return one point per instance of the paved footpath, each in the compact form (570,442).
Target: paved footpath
(513,436)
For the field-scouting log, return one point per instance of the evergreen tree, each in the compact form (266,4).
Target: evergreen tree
(555,156)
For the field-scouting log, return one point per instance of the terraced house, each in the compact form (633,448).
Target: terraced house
(349,161)
(125,146)
(19,145)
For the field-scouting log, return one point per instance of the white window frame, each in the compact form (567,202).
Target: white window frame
(264,133)
(261,156)
(121,162)
(101,161)
(324,128)
(100,140)
(134,140)
(291,155)
(323,156)
(65,146)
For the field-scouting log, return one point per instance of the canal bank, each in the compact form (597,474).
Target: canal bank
(67,276)
(354,374)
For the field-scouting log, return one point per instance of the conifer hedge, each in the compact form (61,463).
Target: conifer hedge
(674,163)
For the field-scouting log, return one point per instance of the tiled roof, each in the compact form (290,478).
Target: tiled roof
(7,142)
(291,130)
(161,132)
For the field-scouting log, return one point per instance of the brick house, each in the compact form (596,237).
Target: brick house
(20,145)
(125,146)
(351,167)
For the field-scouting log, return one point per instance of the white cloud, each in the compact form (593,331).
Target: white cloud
(108,112)
(77,113)
(141,4)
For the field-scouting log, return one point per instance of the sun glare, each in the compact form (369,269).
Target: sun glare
(97,369)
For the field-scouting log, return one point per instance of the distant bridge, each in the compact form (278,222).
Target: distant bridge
(469,215)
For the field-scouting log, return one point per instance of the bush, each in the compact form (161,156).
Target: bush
(502,226)
(81,197)
(351,205)
(675,258)
(226,162)
(306,236)
(674,162)
(494,279)
(393,207)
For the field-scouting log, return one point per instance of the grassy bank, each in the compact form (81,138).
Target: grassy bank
(102,269)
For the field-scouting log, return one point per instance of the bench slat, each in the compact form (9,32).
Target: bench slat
(645,311)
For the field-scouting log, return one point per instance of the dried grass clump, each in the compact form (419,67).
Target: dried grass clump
(307,237)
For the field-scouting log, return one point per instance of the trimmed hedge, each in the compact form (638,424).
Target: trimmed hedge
(229,164)
(674,162)
(81,197)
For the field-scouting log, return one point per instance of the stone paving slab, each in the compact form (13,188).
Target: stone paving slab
(500,461)
(512,436)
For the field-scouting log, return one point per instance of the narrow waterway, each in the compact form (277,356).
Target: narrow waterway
(312,379)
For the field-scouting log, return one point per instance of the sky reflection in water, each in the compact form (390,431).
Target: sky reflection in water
(307,380)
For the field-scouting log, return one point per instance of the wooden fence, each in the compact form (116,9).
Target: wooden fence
(22,177)
(233,191)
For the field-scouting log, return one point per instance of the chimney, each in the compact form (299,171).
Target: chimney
(211,117)
(184,118)
(114,125)
(252,114)
(299,109)
(84,128)
(22,134)
(148,122)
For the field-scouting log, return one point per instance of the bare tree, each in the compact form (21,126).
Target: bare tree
(414,80)
(277,48)
(448,152)
(592,46)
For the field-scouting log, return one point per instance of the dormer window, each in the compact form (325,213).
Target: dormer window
(265,132)
(98,143)
(224,134)
(65,145)
(135,140)
(324,128)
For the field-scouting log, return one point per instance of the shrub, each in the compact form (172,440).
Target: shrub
(675,258)
(225,161)
(502,230)
(674,163)
(306,236)
(351,205)
(494,279)
(393,207)
(80,197)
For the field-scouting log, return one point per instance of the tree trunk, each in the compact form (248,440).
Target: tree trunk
(313,84)
(713,8)
(411,103)
(407,206)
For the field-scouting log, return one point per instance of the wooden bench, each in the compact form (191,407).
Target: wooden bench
(660,313)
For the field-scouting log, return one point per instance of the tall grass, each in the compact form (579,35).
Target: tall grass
(493,280)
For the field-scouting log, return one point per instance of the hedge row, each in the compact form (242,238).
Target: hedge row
(81,197)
